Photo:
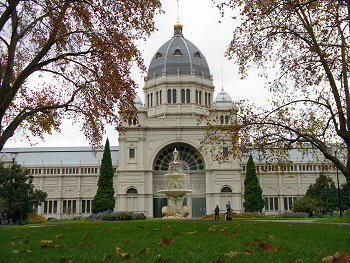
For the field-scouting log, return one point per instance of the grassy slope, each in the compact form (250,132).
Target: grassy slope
(309,242)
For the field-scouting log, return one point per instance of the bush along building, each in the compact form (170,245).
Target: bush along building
(177,91)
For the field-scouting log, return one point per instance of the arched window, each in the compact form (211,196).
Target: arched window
(222,119)
(188,96)
(129,120)
(148,101)
(160,97)
(200,98)
(134,121)
(182,96)
(226,119)
(151,99)
(169,96)
(159,55)
(226,190)
(206,99)
(196,96)
(157,97)
(174,95)
(131,191)
(177,52)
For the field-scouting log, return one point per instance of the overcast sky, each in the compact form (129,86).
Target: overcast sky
(200,20)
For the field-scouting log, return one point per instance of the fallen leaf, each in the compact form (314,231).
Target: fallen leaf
(267,247)
(211,229)
(231,254)
(105,229)
(15,237)
(143,251)
(249,244)
(59,236)
(162,260)
(85,237)
(127,241)
(108,257)
(247,251)
(156,229)
(265,231)
(176,233)
(123,255)
(191,233)
(250,232)
(167,226)
(269,236)
(15,251)
(191,253)
(232,234)
(12,244)
(337,258)
(166,241)
(45,241)
(257,240)
(224,229)
(219,261)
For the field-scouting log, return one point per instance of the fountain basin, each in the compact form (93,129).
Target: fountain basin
(175,193)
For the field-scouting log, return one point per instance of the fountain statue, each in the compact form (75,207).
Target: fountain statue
(175,194)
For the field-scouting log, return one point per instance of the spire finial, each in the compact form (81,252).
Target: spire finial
(178,26)
(222,76)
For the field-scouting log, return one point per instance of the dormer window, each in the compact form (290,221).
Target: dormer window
(159,55)
(197,54)
(177,52)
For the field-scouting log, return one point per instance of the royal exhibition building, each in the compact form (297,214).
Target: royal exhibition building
(177,91)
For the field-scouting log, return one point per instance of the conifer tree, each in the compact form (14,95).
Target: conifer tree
(252,190)
(104,198)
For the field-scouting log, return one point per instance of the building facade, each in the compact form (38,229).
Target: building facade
(178,90)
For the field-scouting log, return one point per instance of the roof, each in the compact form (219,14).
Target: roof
(178,56)
(59,155)
(223,99)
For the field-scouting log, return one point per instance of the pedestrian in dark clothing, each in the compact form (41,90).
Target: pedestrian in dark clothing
(5,219)
(216,213)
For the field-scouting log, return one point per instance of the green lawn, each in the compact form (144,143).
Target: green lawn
(192,242)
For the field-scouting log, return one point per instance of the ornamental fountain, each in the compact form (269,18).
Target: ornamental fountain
(175,193)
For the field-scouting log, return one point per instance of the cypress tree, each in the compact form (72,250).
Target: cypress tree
(104,198)
(253,201)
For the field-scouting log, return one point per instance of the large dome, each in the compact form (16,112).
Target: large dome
(178,56)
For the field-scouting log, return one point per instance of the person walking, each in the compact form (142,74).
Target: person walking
(5,219)
(228,206)
(216,213)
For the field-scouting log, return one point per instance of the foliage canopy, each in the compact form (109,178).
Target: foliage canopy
(307,44)
(63,58)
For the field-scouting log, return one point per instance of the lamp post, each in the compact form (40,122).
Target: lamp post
(330,195)
(13,156)
(335,149)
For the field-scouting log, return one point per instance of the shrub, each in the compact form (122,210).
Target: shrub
(306,205)
(347,213)
(294,215)
(122,216)
(34,218)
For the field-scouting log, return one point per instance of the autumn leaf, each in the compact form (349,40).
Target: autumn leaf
(269,236)
(45,241)
(108,257)
(166,241)
(15,251)
(85,237)
(211,229)
(59,236)
(265,231)
(105,229)
(249,244)
(127,241)
(62,260)
(337,258)
(15,237)
(250,232)
(257,240)
(143,251)
(224,229)
(219,261)
(247,251)
(176,233)
(191,233)
(232,234)
(231,254)
(12,244)
(267,247)
(123,255)
(162,260)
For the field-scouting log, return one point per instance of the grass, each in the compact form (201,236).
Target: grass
(192,242)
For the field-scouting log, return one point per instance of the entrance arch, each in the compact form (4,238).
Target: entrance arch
(194,168)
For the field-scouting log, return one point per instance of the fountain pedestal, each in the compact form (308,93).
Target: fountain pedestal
(175,194)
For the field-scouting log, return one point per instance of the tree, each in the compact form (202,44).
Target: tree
(307,42)
(326,197)
(344,197)
(104,199)
(253,201)
(23,193)
(69,58)
(306,205)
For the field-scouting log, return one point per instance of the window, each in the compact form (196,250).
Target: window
(188,96)
(159,55)
(131,191)
(200,98)
(50,207)
(177,52)
(226,190)
(131,153)
(151,99)
(169,96)
(226,119)
(174,95)
(160,97)
(196,96)
(206,99)
(271,203)
(148,101)
(197,54)
(69,206)
(224,151)
(288,202)
(182,96)
(222,119)
(86,206)
(157,98)
(209,99)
